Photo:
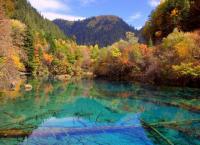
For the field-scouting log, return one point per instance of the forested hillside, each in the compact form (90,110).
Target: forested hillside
(8,71)
(101,30)
(24,12)
(34,45)
(181,14)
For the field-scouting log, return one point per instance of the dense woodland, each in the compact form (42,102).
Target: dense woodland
(170,14)
(34,45)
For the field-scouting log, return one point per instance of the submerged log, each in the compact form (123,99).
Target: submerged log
(49,132)
(13,133)
(173,125)
(188,132)
(176,123)
(148,126)
(188,107)
(63,131)
(21,122)
(173,104)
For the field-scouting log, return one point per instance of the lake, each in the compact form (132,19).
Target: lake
(98,112)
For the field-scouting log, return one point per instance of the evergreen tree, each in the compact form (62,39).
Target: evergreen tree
(28,46)
(49,37)
(150,43)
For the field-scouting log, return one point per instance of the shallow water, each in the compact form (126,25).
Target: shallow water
(98,112)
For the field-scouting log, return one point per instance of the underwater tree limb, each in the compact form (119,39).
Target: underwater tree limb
(157,132)
(184,122)
(150,99)
(53,131)
(32,117)
(13,133)
(62,131)
(181,105)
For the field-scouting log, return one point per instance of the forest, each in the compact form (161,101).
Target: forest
(170,54)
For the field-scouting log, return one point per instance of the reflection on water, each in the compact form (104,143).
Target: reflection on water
(97,112)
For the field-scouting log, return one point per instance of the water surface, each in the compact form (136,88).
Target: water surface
(99,112)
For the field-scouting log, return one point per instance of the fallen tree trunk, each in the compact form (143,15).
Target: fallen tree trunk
(14,133)
(188,107)
(54,112)
(173,125)
(181,105)
(188,132)
(53,131)
(176,123)
(49,132)
(148,126)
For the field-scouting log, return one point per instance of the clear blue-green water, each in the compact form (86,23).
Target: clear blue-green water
(96,112)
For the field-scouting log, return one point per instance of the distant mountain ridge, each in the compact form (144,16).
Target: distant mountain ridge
(101,30)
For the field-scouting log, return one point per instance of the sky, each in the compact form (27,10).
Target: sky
(134,12)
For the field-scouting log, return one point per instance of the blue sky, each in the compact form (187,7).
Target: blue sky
(134,12)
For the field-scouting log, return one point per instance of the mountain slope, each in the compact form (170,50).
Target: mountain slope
(27,42)
(101,30)
(24,12)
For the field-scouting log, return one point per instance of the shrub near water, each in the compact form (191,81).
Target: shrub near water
(123,59)
(176,58)
(179,55)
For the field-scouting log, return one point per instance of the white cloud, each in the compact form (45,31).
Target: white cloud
(53,5)
(138,27)
(154,3)
(50,9)
(135,16)
(52,16)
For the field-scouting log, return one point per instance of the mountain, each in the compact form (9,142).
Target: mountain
(101,30)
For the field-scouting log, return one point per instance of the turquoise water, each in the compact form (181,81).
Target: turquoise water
(87,112)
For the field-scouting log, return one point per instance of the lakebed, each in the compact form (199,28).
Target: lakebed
(94,112)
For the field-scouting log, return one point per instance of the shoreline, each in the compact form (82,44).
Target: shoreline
(22,81)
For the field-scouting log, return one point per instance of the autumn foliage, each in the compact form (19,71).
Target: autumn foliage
(175,59)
